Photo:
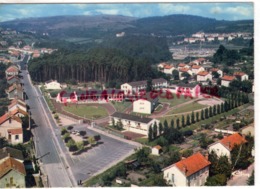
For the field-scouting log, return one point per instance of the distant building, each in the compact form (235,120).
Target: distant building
(225,80)
(182,65)
(204,76)
(190,89)
(248,130)
(52,84)
(184,70)
(12,71)
(220,72)
(13,79)
(11,152)
(166,68)
(224,146)
(15,91)
(122,34)
(241,76)
(156,150)
(17,104)
(134,123)
(192,171)
(145,105)
(12,173)
(196,69)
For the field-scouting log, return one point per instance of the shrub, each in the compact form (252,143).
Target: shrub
(64,131)
(188,133)
(70,127)
(56,116)
(82,133)
(73,148)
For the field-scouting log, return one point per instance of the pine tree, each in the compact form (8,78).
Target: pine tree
(214,110)
(155,130)
(160,128)
(172,123)
(166,127)
(210,111)
(202,115)
(188,120)
(150,134)
(182,121)
(206,113)
(218,109)
(222,108)
(178,123)
(197,116)
(226,106)
(192,117)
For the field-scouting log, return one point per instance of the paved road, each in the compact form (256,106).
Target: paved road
(241,177)
(45,142)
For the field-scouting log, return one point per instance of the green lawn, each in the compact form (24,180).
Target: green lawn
(86,111)
(175,100)
(187,108)
(121,106)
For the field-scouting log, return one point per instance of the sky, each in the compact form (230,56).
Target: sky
(219,11)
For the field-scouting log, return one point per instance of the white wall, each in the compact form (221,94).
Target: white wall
(219,149)
(126,88)
(225,83)
(18,106)
(142,106)
(179,177)
(53,85)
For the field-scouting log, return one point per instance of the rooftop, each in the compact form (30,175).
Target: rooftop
(228,78)
(232,140)
(11,164)
(203,73)
(14,153)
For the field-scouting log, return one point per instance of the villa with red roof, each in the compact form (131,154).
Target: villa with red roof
(17,104)
(15,91)
(165,68)
(224,146)
(196,69)
(204,76)
(11,71)
(220,72)
(192,171)
(241,76)
(182,65)
(226,79)
(184,70)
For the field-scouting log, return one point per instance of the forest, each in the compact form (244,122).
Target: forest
(106,63)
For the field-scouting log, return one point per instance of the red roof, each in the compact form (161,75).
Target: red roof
(168,66)
(182,65)
(158,147)
(15,131)
(6,116)
(232,140)
(228,78)
(12,69)
(239,74)
(184,69)
(17,110)
(196,67)
(11,164)
(203,73)
(11,77)
(201,59)
(192,164)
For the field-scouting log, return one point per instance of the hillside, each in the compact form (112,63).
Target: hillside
(100,26)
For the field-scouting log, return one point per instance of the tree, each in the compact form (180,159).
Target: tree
(197,117)
(172,123)
(178,123)
(192,117)
(82,133)
(63,131)
(222,108)
(166,127)
(218,109)
(206,113)
(3,142)
(214,110)
(202,114)
(183,121)
(215,74)
(216,180)
(218,81)
(246,86)
(150,134)
(186,76)
(188,120)
(119,124)
(149,86)
(251,179)
(175,74)
(113,122)
(91,140)
(80,145)
(70,127)
(155,130)
(160,128)
(210,111)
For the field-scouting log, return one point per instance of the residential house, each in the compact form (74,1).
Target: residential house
(199,61)
(204,76)
(11,128)
(19,113)
(13,79)
(224,146)
(136,86)
(182,65)
(196,69)
(17,104)
(190,89)
(52,84)
(145,105)
(248,130)
(134,123)
(166,68)
(11,152)
(192,171)
(220,72)
(12,71)
(156,150)
(184,70)
(12,174)
(15,91)
(226,79)
(241,76)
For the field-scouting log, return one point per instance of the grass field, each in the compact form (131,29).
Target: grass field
(175,101)
(187,108)
(121,106)
(89,112)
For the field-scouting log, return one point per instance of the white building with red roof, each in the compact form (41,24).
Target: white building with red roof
(166,68)
(184,70)
(204,76)
(196,69)
(220,72)
(182,65)
(226,79)
(224,146)
(241,76)
(12,71)
(192,171)
(156,150)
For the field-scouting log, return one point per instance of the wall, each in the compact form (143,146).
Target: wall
(18,180)
(219,149)
(142,106)
(179,177)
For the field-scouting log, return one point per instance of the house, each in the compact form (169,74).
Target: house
(182,65)
(190,89)
(52,84)
(184,70)
(11,152)
(241,76)
(13,79)
(136,86)
(15,91)
(134,123)
(157,150)
(196,69)
(248,130)
(199,61)
(17,104)
(12,71)
(226,79)
(11,128)
(192,171)
(165,68)
(145,105)
(204,76)
(220,72)
(12,174)
(19,113)
(224,146)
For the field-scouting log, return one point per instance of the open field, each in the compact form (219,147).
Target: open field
(175,100)
(121,106)
(187,108)
(87,111)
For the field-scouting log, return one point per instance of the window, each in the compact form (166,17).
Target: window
(16,137)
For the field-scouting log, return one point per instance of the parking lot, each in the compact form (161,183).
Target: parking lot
(100,157)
